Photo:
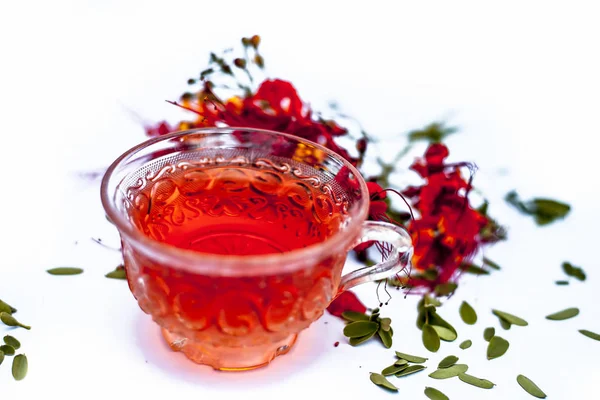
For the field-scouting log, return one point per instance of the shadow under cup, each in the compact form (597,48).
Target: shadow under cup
(234,239)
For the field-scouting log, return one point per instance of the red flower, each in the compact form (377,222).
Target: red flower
(347,301)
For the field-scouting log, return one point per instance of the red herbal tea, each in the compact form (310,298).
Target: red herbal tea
(235,210)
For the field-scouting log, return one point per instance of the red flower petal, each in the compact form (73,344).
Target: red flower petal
(347,301)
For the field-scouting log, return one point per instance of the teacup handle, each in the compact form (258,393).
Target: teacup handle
(398,259)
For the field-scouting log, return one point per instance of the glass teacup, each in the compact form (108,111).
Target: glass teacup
(234,239)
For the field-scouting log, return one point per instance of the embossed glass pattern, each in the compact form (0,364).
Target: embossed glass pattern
(234,239)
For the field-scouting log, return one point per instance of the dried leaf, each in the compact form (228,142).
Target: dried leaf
(489,333)
(7,350)
(448,362)
(410,358)
(445,334)
(381,381)
(13,342)
(467,313)
(466,344)
(480,383)
(450,372)
(355,341)
(590,334)
(385,324)
(564,314)
(530,387)
(430,337)
(435,394)
(393,369)
(510,318)
(497,347)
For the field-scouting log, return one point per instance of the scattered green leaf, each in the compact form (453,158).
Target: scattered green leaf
(445,333)
(444,289)
(505,324)
(410,370)
(9,320)
(448,362)
(590,334)
(514,320)
(410,358)
(381,381)
(4,307)
(490,263)
(435,394)
(355,341)
(118,273)
(489,333)
(8,350)
(562,283)
(386,338)
(450,372)
(564,314)
(543,211)
(354,316)
(431,339)
(467,313)
(19,367)
(13,342)
(385,324)
(393,369)
(478,382)
(573,271)
(65,271)
(497,347)
(530,387)
(401,362)
(360,328)
(466,344)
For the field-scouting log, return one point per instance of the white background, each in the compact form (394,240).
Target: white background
(520,78)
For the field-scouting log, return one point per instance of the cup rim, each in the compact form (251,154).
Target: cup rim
(192,260)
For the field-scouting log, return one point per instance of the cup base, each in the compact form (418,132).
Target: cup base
(227,358)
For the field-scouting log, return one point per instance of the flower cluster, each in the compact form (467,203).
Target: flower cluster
(447,230)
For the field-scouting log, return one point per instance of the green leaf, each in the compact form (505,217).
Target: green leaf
(1,357)
(488,333)
(19,367)
(360,328)
(530,387)
(386,338)
(543,211)
(448,362)
(436,320)
(564,314)
(13,342)
(434,394)
(466,344)
(450,372)
(473,269)
(355,341)
(480,383)
(385,324)
(7,350)
(490,263)
(410,370)
(573,271)
(410,358)
(381,381)
(444,333)
(467,313)
(354,316)
(505,324)
(435,132)
(444,289)
(9,320)
(430,337)
(118,273)
(4,307)
(562,283)
(590,334)
(514,320)
(497,347)
(65,271)
(393,369)
(401,362)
